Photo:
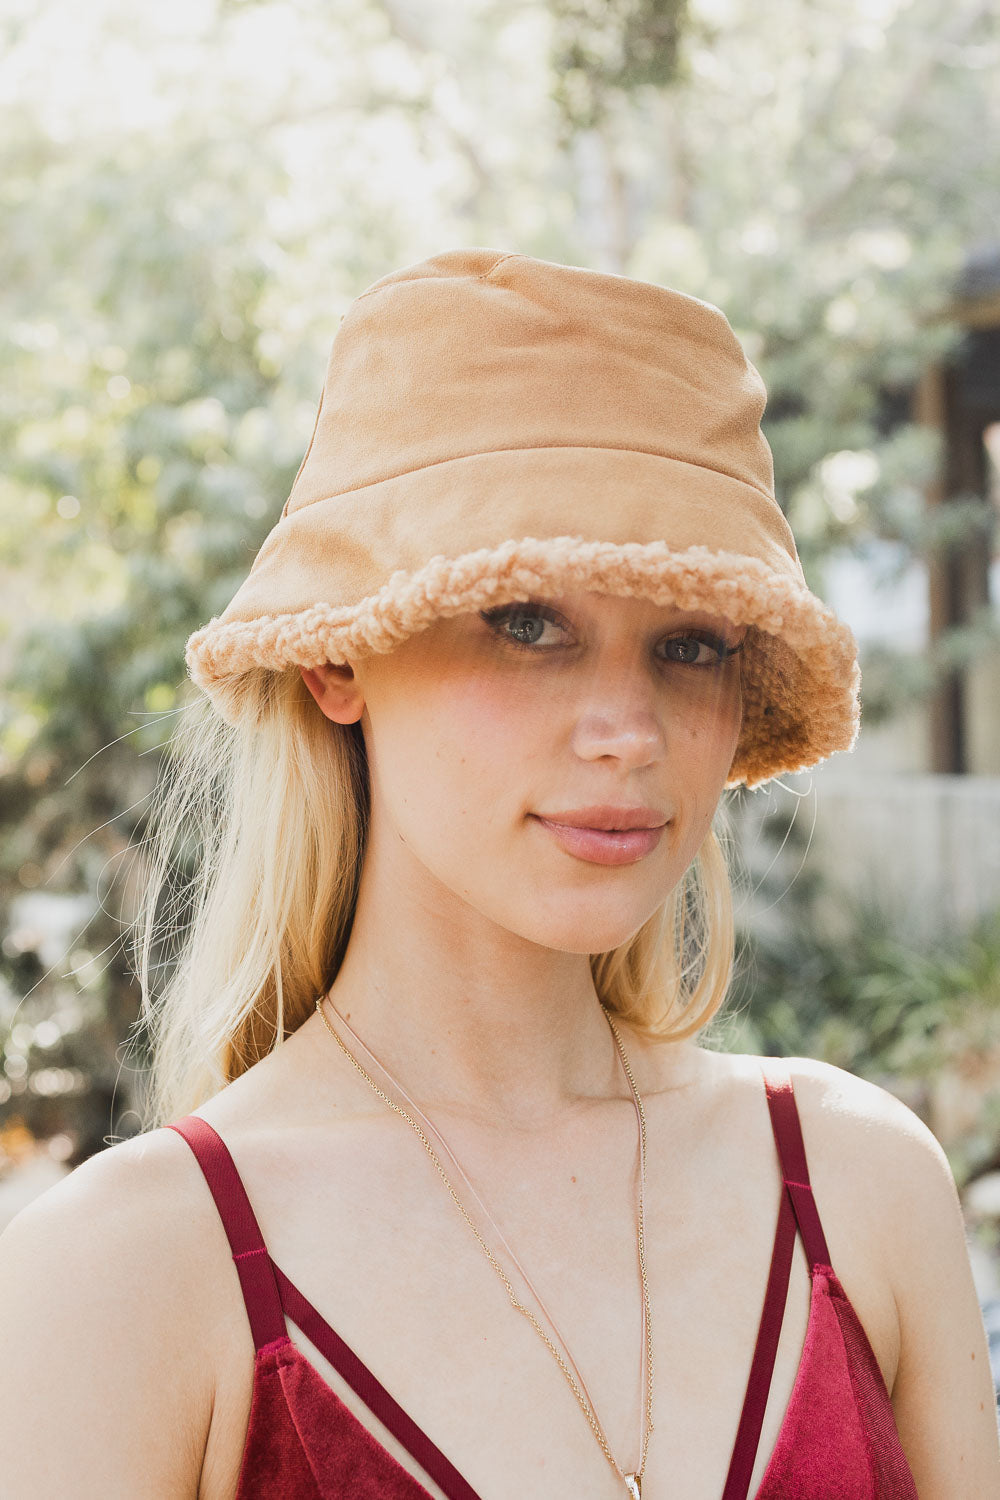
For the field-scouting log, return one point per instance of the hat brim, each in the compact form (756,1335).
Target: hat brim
(800,673)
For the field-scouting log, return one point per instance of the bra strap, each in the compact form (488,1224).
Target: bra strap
(792,1153)
(372,1392)
(796,1208)
(765,1352)
(253,1264)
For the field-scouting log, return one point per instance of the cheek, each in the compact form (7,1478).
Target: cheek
(705,746)
(706,716)
(455,756)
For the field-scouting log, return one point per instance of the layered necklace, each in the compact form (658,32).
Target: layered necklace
(424,1130)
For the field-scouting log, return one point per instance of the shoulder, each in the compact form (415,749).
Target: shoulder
(119,1203)
(882,1178)
(98,1296)
(882,1182)
(838,1110)
(877,1139)
(882,1164)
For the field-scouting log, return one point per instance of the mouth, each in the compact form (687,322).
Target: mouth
(603,846)
(607,818)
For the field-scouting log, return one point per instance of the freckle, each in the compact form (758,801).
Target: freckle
(572,1179)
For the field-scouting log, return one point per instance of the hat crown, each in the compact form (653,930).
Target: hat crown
(477,350)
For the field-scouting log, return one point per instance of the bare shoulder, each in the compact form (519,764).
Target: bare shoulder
(871,1158)
(875,1167)
(824,1090)
(101,1307)
(893,1170)
(858,1130)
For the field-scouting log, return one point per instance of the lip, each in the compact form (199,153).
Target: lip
(607,818)
(602,846)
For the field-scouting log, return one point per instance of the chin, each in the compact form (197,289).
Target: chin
(583,931)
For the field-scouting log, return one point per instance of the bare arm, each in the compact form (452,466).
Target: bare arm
(943,1395)
(105,1393)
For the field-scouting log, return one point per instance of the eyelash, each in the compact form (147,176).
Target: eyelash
(497,617)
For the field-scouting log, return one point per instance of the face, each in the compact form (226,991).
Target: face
(498,740)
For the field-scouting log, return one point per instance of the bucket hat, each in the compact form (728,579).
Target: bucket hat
(493,426)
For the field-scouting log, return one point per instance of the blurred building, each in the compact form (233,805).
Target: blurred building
(961,399)
(912,817)
(943,608)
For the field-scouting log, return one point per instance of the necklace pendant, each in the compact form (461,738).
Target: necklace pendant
(634,1486)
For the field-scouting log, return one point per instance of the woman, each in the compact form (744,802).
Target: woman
(447,1198)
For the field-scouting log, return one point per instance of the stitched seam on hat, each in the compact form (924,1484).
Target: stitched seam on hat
(305,456)
(511,255)
(408,280)
(542,448)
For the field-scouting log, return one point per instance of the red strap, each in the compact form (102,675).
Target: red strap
(260,1290)
(792,1153)
(797,1208)
(260,1279)
(765,1352)
(373,1393)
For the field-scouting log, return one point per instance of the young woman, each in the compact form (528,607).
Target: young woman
(440,1194)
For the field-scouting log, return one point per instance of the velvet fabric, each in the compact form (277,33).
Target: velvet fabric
(303,1443)
(838,1439)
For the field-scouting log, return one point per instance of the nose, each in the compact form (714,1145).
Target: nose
(619,715)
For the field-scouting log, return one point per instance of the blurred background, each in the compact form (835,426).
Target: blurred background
(193,193)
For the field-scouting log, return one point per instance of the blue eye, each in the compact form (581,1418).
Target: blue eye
(702,650)
(522,625)
(525,622)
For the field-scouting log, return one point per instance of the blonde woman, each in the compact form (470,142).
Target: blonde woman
(440,1195)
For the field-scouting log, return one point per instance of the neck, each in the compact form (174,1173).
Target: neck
(471,1017)
(479,1036)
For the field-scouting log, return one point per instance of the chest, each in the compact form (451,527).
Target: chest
(378,1246)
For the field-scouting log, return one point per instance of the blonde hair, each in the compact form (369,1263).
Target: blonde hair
(256,841)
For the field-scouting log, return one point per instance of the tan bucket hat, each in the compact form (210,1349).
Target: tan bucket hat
(493,426)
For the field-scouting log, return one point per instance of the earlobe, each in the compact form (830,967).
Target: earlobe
(336,690)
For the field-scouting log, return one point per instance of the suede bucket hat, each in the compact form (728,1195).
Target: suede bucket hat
(494,426)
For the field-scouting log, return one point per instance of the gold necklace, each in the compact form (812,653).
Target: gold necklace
(633,1478)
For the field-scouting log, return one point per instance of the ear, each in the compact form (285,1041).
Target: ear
(336,690)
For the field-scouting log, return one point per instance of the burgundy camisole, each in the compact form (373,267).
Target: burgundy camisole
(838,1439)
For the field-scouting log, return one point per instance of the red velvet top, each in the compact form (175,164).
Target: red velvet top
(838,1440)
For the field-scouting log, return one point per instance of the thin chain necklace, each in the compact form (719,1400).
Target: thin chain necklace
(632,1479)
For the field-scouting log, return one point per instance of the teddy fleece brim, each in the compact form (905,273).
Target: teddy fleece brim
(800,676)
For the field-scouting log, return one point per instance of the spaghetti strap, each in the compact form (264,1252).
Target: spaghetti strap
(792,1154)
(260,1290)
(765,1352)
(373,1393)
(268,1292)
(796,1209)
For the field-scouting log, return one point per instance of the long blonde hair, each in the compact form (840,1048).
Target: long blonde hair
(255,847)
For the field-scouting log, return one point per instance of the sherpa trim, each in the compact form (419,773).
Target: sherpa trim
(800,675)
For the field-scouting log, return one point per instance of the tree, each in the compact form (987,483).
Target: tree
(185,222)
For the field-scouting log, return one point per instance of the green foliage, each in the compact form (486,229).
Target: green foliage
(844,979)
(190,200)
(606,48)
